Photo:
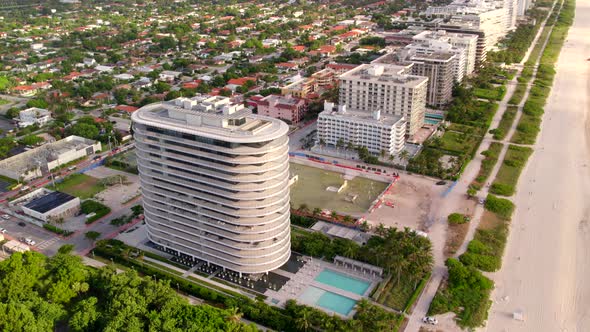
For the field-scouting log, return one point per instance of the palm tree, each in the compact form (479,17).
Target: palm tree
(303,321)
(234,314)
(316,211)
(381,230)
(334,215)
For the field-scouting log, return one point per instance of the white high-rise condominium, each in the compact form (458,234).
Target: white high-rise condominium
(214,179)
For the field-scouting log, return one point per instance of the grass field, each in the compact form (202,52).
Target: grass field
(79,185)
(507,177)
(458,142)
(490,94)
(310,189)
(396,295)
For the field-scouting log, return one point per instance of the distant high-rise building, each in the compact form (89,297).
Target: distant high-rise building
(214,180)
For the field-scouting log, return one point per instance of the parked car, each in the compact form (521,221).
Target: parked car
(2,230)
(430,320)
(482,201)
(30,242)
(5,217)
(22,224)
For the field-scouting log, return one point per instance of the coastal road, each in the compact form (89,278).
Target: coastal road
(546,269)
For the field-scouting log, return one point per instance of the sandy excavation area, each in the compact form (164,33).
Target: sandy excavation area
(412,197)
(546,268)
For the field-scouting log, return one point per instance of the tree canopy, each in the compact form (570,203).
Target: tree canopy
(39,294)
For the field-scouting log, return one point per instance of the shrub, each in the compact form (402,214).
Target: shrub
(467,293)
(500,206)
(91,206)
(457,219)
(57,230)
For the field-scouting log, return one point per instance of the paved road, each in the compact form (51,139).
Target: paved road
(547,263)
(295,137)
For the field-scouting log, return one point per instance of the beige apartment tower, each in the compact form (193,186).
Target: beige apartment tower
(214,179)
(388,89)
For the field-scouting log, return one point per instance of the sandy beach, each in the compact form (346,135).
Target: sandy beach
(546,268)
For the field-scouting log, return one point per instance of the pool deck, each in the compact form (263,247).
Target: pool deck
(305,277)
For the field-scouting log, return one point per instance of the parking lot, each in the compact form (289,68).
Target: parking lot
(45,241)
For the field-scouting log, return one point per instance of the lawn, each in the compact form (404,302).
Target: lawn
(395,295)
(507,177)
(4,102)
(496,93)
(458,143)
(505,123)
(79,185)
(310,189)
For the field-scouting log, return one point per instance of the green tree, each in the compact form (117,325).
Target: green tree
(84,130)
(31,140)
(92,235)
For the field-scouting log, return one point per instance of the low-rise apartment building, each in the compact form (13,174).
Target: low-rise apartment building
(287,108)
(33,116)
(378,133)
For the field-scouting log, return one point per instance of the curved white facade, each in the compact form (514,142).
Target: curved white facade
(214,180)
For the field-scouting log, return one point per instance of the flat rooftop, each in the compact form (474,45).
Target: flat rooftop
(382,72)
(214,117)
(364,117)
(49,202)
(46,153)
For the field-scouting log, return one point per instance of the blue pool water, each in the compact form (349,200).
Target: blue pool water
(343,282)
(431,121)
(328,300)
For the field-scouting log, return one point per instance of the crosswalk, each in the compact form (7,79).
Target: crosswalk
(47,243)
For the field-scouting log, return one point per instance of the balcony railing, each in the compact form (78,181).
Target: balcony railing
(231,219)
(142,135)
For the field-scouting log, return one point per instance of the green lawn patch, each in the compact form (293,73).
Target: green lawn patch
(457,218)
(99,210)
(496,93)
(458,143)
(505,123)
(507,177)
(79,185)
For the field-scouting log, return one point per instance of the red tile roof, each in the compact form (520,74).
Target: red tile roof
(126,108)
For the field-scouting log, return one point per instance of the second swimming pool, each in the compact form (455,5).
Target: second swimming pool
(342,281)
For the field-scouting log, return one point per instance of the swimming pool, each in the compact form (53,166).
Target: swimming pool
(328,300)
(342,281)
(431,121)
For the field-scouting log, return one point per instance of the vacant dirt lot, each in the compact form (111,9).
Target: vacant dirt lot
(412,197)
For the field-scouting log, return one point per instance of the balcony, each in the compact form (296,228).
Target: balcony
(163,158)
(246,180)
(238,159)
(141,135)
(224,217)
(278,188)
(238,233)
(253,257)
(171,225)
(192,196)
